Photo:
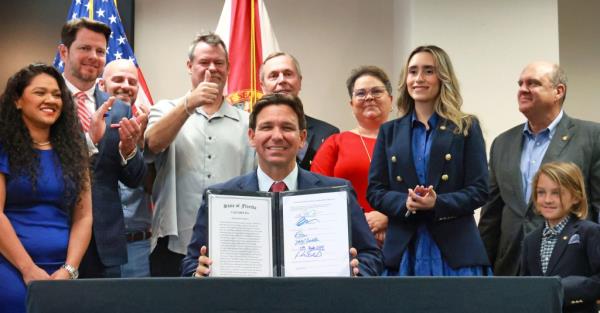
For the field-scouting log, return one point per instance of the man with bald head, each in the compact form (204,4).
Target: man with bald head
(548,135)
(280,73)
(120,79)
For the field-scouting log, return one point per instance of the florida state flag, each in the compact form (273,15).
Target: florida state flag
(245,28)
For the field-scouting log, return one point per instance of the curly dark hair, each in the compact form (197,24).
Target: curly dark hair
(65,135)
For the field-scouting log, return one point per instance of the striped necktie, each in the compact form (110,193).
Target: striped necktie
(82,111)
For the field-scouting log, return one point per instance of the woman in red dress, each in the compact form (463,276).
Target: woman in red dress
(348,154)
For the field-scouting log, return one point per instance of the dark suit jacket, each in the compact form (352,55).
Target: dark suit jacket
(108,225)
(317,131)
(369,255)
(508,217)
(575,258)
(458,172)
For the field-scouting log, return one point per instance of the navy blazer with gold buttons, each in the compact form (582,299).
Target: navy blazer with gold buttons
(458,172)
(575,258)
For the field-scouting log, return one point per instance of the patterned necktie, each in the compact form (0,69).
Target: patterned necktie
(549,232)
(278,187)
(82,111)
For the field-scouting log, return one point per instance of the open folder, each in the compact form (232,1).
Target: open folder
(302,233)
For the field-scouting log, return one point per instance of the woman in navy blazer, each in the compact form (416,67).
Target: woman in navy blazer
(429,173)
(567,245)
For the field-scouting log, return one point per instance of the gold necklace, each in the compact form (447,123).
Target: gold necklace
(364,145)
(41,144)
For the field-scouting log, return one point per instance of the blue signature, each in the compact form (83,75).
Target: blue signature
(304,220)
(299,234)
(304,241)
(310,252)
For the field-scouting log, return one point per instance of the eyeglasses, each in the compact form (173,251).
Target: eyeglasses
(375,92)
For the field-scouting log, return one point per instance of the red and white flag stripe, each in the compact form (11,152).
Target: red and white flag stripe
(246,29)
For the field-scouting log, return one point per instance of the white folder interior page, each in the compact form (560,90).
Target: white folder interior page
(316,234)
(240,236)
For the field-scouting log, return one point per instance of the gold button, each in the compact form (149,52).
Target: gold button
(445,177)
(565,138)
(443,127)
(448,157)
(394,159)
(565,238)
(398,178)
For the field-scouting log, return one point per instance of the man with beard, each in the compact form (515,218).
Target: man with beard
(112,134)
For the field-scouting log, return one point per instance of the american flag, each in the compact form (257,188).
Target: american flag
(105,11)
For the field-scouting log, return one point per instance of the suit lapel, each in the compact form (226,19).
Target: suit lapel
(99,98)
(536,260)
(564,132)
(404,152)
(561,245)
(249,182)
(307,180)
(515,180)
(310,136)
(442,140)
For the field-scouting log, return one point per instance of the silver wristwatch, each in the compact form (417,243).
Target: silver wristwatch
(73,272)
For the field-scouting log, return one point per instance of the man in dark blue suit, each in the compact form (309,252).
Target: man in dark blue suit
(277,131)
(111,136)
(280,73)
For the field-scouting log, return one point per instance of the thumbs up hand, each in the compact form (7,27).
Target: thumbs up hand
(206,93)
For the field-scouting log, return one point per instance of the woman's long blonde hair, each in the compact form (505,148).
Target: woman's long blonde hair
(449,101)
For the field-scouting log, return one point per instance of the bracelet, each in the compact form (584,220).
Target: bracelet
(73,272)
(132,154)
(185,106)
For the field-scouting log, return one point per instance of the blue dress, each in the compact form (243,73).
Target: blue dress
(39,220)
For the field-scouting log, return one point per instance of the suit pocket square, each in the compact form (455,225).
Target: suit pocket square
(574,239)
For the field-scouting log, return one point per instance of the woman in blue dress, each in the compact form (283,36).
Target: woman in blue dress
(45,201)
(429,173)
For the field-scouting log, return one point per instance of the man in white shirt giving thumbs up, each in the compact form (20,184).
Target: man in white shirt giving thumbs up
(196,141)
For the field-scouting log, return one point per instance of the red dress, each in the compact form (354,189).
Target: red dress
(345,156)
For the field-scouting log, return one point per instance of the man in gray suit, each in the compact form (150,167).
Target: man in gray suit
(549,135)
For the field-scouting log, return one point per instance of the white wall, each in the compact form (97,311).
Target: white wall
(163,31)
(488,41)
(329,38)
(579,29)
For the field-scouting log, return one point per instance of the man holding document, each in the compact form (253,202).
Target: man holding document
(277,131)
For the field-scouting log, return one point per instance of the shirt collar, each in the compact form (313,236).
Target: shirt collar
(556,229)
(265,182)
(74,90)
(433,120)
(551,129)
